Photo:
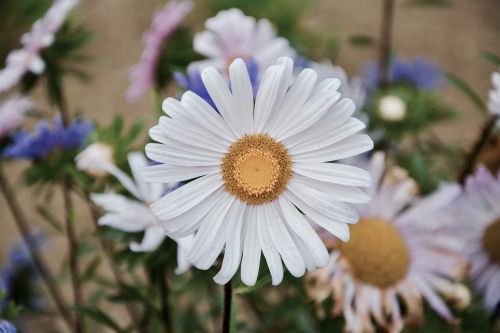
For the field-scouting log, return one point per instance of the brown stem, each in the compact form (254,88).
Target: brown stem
(228,295)
(486,130)
(74,266)
(385,44)
(39,262)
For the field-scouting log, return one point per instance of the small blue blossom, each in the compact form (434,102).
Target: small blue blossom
(7,327)
(192,81)
(418,73)
(46,138)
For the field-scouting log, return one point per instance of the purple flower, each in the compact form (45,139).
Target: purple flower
(7,327)
(12,113)
(46,138)
(192,81)
(418,73)
(165,23)
(42,35)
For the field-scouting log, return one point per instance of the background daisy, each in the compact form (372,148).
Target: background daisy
(494,102)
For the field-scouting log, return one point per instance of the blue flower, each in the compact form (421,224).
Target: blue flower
(192,81)
(418,73)
(47,138)
(7,327)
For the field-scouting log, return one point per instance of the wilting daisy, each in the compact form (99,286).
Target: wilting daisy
(395,257)
(231,34)
(494,102)
(42,35)
(133,215)
(478,213)
(165,23)
(256,164)
(12,113)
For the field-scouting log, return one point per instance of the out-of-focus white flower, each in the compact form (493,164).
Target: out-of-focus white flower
(131,215)
(95,158)
(391,108)
(165,23)
(494,102)
(478,216)
(231,34)
(42,35)
(256,164)
(396,256)
(12,113)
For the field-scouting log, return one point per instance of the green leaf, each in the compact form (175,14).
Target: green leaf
(493,58)
(467,90)
(117,126)
(91,269)
(50,219)
(99,316)
(261,282)
(360,40)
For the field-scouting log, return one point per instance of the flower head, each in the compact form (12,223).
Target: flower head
(42,35)
(12,113)
(257,162)
(165,23)
(47,138)
(231,34)
(391,108)
(133,215)
(91,158)
(395,256)
(494,102)
(419,73)
(478,214)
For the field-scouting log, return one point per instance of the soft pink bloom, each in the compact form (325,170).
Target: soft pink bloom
(42,34)
(494,102)
(478,214)
(12,114)
(165,23)
(231,34)
(433,261)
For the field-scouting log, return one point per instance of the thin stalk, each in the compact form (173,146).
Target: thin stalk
(385,43)
(228,295)
(39,262)
(478,146)
(165,293)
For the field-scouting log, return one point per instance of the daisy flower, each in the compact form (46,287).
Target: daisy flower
(478,214)
(133,215)
(395,257)
(12,113)
(165,23)
(92,157)
(231,34)
(42,35)
(494,102)
(256,163)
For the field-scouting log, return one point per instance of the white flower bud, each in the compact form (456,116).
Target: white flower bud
(391,108)
(92,159)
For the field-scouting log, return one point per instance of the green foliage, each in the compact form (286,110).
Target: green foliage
(9,310)
(492,58)
(467,91)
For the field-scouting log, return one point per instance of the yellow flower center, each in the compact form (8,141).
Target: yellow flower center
(256,169)
(377,253)
(491,241)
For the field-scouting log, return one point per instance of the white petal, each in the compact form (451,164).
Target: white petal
(184,198)
(270,94)
(184,246)
(180,156)
(334,173)
(303,230)
(241,88)
(137,163)
(174,109)
(251,250)
(166,173)
(352,146)
(268,249)
(153,237)
(234,242)
(124,179)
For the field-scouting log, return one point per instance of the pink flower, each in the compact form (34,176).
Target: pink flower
(42,34)
(165,23)
(12,113)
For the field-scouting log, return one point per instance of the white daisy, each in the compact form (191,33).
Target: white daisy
(494,102)
(395,257)
(257,163)
(231,34)
(131,215)
(478,214)
(93,157)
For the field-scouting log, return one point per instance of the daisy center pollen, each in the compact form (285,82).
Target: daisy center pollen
(256,169)
(491,241)
(377,253)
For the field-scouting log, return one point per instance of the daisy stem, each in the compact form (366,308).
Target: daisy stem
(385,43)
(165,292)
(228,294)
(486,130)
(39,262)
